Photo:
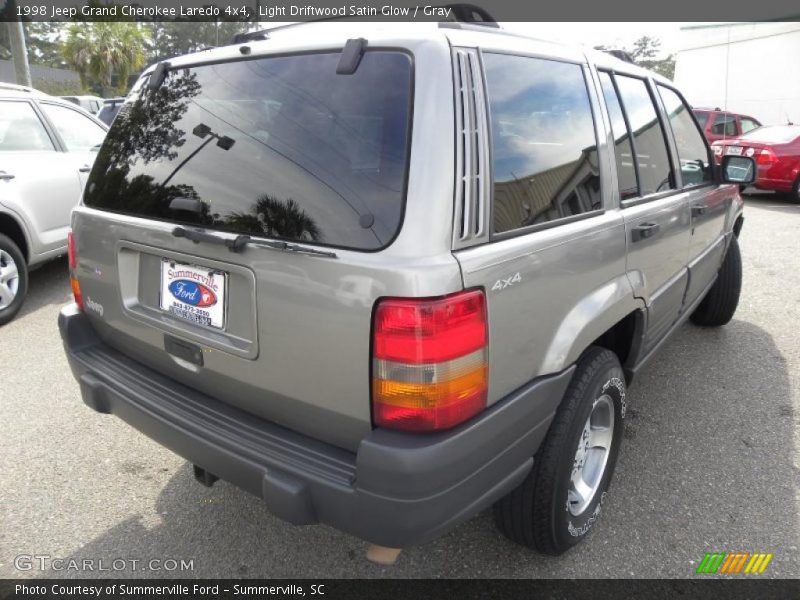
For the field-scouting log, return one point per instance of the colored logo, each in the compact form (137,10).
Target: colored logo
(734,562)
(193,293)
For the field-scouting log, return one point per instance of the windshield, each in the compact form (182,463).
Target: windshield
(773,135)
(278,147)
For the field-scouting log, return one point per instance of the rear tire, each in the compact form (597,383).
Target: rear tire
(13,279)
(795,195)
(720,303)
(547,512)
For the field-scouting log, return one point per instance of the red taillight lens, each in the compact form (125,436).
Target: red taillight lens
(767,157)
(73,259)
(73,263)
(717,150)
(430,360)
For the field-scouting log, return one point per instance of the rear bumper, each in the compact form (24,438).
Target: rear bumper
(396,490)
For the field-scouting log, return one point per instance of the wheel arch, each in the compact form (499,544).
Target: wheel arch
(10,227)
(610,316)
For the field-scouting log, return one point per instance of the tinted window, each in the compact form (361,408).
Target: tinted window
(626,172)
(648,138)
(690,143)
(21,129)
(279,147)
(702,118)
(748,124)
(724,125)
(544,150)
(78,131)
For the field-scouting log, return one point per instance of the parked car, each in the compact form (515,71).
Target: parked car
(90,104)
(776,150)
(718,124)
(47,147)
(109,110)
(389,323)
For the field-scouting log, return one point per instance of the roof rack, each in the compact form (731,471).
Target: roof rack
(461,13)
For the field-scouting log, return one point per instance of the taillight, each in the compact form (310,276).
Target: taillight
(73,264)
(430,361)
(717,150)
(767,157)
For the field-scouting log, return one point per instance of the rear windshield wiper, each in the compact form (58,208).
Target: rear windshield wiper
(238,243)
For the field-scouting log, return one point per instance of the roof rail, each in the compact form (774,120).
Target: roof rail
(461,13)
(17,88)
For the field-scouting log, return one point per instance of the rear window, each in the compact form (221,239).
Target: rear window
(702,118)
(279,147)
(773,135)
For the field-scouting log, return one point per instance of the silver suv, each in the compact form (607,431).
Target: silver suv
(47,147)
(387,282)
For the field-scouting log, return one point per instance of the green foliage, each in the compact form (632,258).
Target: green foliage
(106,54)
(60,87)
(645,51)
(182,37)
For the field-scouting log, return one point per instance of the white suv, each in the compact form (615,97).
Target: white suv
(47,147)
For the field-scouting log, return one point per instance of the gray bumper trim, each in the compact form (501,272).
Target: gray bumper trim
(397,490)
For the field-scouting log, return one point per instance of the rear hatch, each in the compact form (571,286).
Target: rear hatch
(197,181)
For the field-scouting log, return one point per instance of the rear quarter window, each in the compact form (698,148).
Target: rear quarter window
(544,149)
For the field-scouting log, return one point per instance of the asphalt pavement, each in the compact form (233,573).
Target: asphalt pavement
(710,462)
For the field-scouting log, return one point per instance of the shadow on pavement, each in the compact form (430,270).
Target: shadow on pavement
(772,202)
(49,284)
(707,465)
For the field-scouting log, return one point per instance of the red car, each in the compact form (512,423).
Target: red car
(718,124)
(776,150)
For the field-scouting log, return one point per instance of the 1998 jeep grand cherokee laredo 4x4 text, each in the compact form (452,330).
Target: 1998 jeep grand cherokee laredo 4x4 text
(385,283)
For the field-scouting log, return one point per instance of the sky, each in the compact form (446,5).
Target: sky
(616,35)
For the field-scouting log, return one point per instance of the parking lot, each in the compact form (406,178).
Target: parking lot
(710,461)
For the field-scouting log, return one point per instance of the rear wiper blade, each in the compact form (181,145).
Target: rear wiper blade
(238,243)
(290,247)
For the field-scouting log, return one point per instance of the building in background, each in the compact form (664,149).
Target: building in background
(750,68)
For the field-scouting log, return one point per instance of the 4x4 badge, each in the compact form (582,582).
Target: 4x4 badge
(502,284)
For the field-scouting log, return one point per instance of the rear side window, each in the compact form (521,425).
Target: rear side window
(724,125)
(748,124)
(544,149)
(652,160)
(21,130)
(78,131)
(690,143)
(280,147)
(626,172)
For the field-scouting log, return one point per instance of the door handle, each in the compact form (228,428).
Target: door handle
(699,210)
(6,176)
(645,230)
(85,169)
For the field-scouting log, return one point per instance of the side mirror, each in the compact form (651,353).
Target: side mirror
(738,169)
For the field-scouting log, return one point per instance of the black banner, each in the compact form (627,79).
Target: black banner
(412,589)
(393,10)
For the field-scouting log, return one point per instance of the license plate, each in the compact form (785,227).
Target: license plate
(192,293)
(735,150)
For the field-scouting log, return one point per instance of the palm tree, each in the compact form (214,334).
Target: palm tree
(101,51)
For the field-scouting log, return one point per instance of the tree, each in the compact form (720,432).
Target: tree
(174,38)
(105,54)
(644,53)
